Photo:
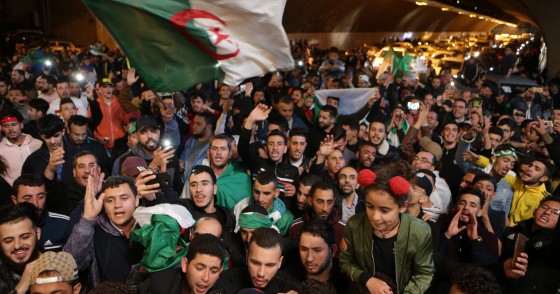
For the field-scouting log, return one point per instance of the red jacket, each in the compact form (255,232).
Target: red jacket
(113,124)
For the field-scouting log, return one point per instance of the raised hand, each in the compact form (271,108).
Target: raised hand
(472,227)
(260,112)
(161,155)
(470,156)
(327,146)
(131,76)
(454,228)
(56,159)
(92,205)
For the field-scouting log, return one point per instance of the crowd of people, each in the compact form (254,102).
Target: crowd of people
(109,187)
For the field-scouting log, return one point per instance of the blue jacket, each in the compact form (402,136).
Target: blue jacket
(53,231)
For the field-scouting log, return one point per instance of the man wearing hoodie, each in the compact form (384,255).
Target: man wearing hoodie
(16,146)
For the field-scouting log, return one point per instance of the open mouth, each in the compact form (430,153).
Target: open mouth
(201,288)
(544,219)
(20,253)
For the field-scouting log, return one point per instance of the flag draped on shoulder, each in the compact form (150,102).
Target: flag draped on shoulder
(176,44)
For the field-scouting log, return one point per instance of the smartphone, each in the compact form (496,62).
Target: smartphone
(163,179)
(520,241)
(413,105)
(538,90)
(476,102)
(549,125)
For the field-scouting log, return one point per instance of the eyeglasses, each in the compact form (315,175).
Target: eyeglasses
(554,211)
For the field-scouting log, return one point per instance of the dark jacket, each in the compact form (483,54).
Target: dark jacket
(53,231)
(460,248)
(543,271)
(339,280)
(238,278)
(90,144)
(284,171)
(333,220)
(168,281)
(68,195)
(99,246)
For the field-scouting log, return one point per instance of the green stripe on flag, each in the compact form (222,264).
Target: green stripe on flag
(164,58)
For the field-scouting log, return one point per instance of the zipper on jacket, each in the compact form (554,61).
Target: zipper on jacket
(396,265)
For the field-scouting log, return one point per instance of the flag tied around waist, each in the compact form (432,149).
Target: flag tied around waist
(176,44)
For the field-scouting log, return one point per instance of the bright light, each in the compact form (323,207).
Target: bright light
(491,69)
(454,76)
(421,3)
(48,62)
(527,42)
(444,9)
(460,12)
(476,54)
(79,77)
(452,83)
(300,63)
(472,15)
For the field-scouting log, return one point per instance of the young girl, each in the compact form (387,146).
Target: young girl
(385,249)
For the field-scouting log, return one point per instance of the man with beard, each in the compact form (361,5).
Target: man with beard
(45,85)
(16,146)
(350,202)
(233,182)
(378,137)
(287,175)
(325,123)
(19,233)
(317,252)
(302,194)
(528,187)
(147,148)
(63,91)
(100,240)
(466,239)
(365,156)
(321,201)
(31,189)
(196,147)
(264,259)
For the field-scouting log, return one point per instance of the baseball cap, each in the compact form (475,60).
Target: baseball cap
(106,81)
(145,122)
(61,262)
(130,166)
(422,181)
(431,147)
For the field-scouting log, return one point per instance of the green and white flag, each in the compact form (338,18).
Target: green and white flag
(176,44)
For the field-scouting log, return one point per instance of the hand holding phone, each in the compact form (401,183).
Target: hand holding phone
(520,242)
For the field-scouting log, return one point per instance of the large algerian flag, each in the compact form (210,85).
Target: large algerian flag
(351,100)
(176,44)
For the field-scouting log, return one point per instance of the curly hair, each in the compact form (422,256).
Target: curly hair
(475,280)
